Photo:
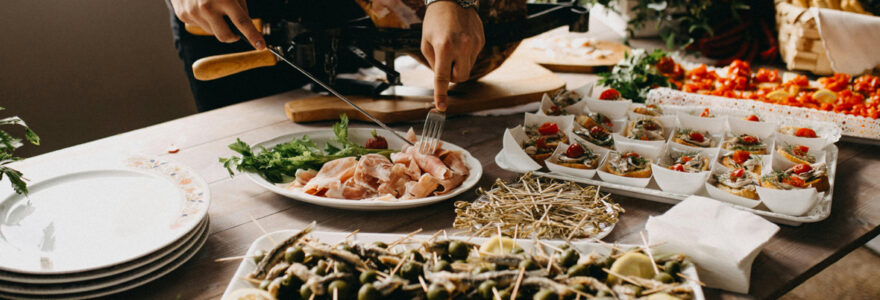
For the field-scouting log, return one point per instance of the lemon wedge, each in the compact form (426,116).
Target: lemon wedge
(249,294)
(498,245)
(778,95)
(661,296)
(631,264)
(825,96)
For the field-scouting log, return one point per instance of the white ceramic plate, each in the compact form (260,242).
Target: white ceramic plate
(105,272)
(264,243)
(110,281)
(360,136)
(129,283)
(94,219)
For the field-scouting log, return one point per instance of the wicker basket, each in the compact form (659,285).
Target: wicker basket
(799,41)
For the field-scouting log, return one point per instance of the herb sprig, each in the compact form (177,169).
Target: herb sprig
(636,74)
(280,163)
(8,145)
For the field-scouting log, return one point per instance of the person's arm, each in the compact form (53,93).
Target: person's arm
(208,14)
(452,37)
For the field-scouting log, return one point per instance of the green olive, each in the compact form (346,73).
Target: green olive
(494,267)
(564,246)
(479,270)
(258,256)
(286,280)
(569,257)
(294,254)
(504,294)
(608,262)
(458,250)
(517,250)
(545,294)
(342,267)
(580,287)
(305,292)
(672,267)
(578,270)
(485,289)
(442,266)
(664,277)
(368,276)
(528,264)
(637,290)
(437,292)
(265,284)
(368,292)
(380,244)
(416,256)
(320,268)
(410,271)
(341,288)
(601,294)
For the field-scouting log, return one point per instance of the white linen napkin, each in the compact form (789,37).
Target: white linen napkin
(721,240)
(850,39)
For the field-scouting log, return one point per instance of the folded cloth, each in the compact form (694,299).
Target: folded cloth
(721,240)
(850,39)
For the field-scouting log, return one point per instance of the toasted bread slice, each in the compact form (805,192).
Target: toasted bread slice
(541,157)
(791,158)
(821,184)
(738,192)
(594,163)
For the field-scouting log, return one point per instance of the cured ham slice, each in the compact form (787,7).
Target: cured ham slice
(422,188)
(372,169)
(302,178)
(329,180)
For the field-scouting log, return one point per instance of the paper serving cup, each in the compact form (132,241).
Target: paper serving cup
(717,139)
(564,122)
(645,151)
(513,152)
(620,139)
(583,141)
(611,108)
(580,173)
(766,161)
(814,143)
(714,125)
(769,141)
(763,130)
(578,108)
(668,121)
(719,194)
(681,182)
(790,202)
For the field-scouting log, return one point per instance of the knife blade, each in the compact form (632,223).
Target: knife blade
(338,95)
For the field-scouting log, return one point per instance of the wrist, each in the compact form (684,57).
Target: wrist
(462,3)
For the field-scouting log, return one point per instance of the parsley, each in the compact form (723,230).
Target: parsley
(8,145)
(636,74)
(281,162)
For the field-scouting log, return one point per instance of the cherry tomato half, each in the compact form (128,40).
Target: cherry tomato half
(548,128)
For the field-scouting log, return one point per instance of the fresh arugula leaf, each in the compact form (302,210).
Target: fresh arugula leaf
(636,75)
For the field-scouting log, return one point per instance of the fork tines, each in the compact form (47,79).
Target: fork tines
(431,132)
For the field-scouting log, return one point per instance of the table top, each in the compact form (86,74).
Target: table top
(792,256)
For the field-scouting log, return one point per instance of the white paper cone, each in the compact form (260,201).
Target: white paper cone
(611,108)
(712,125)
(513,153)
(620,139)
(790,202)
(678,182)
(813,143)
(580,173)
(763,130)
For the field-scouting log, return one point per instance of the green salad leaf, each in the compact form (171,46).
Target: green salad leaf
(8,145)
(280,163)
(636,74)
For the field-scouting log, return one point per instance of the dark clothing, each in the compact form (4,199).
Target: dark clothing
(232,89)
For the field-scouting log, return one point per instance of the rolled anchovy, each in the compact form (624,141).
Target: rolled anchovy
(338,255)
(277,270)
(546,283)
(277,253)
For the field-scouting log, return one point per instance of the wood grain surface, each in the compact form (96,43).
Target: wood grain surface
(559,61)
(515,82)
(792,256)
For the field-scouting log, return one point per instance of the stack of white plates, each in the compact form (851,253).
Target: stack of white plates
(96,232)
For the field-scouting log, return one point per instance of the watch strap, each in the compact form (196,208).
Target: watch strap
(462,3)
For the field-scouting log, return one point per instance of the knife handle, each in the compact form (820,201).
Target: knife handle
(196,30)
(213,67)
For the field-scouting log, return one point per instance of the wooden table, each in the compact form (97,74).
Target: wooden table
(792,256)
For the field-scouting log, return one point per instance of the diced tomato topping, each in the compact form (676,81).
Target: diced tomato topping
(794,181)
(574,151)
(705,113)
(598,132)
(801,149)
(609,94)
(696,136)
(805,132)
(677,167)
(750,139)
(686,158)
(866,84)
(753,118)
(740,156)
(765,75)
(738,173)
(801,168)
(837,82)
(540,143)
(548,128)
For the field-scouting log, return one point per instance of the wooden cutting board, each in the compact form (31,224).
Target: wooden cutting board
(560,61)
(516,82)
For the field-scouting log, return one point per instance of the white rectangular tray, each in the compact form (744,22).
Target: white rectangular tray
(265,243)
(652,192)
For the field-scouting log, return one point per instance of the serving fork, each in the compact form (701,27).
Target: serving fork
(431,131)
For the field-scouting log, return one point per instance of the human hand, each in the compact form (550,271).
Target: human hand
(208,14)
(452,37)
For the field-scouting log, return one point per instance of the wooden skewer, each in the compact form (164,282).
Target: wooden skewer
(262,229)
(519,278)
(409,235)
(648,251)
(231,258)
(495,293)
(422,282)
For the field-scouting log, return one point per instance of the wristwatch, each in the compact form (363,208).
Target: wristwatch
(462,3)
